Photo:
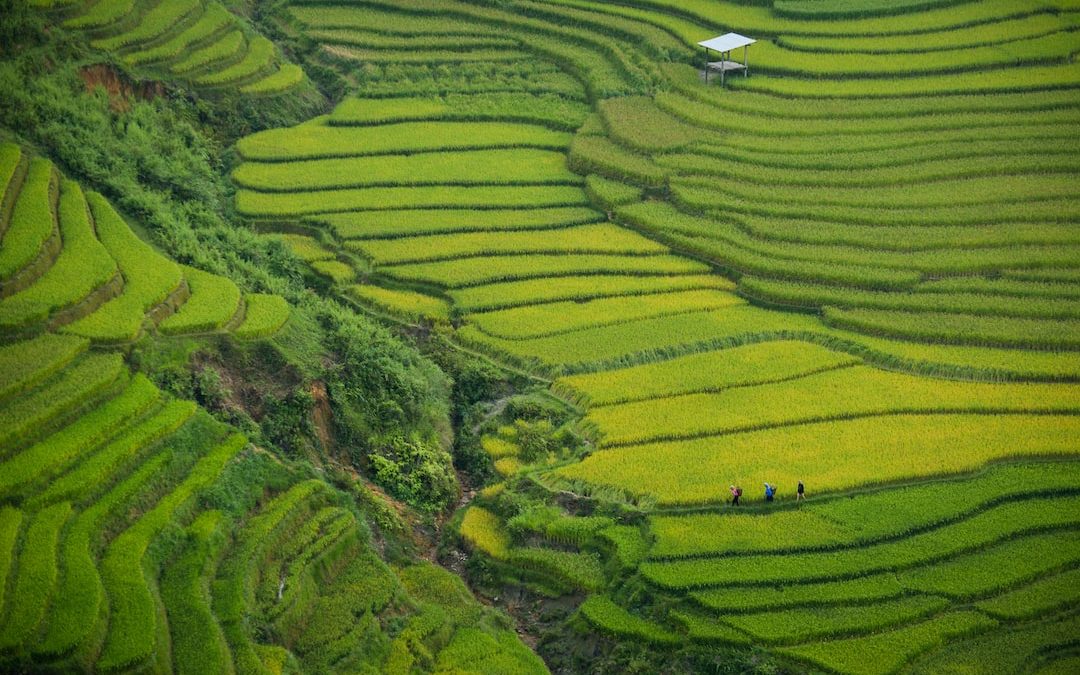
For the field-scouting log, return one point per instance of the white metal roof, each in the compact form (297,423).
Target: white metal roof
(725,43)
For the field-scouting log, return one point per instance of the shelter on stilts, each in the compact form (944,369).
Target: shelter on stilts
(723,45)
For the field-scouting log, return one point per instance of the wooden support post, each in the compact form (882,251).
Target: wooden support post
(745,61)
(706,65)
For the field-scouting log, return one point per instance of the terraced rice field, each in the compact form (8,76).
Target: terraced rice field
(78,269)
(137,532)
(199,41)
(857,267)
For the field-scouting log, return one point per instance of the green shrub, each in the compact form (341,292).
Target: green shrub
(414,470)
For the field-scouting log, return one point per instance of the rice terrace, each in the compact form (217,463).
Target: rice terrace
(529,336)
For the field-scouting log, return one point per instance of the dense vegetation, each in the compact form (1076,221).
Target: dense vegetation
(275,277)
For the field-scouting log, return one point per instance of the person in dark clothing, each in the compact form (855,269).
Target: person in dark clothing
(736,492)
(801,492)
(770,490)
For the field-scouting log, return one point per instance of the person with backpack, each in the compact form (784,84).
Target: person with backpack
(770,490)
(736,492)
(800,493)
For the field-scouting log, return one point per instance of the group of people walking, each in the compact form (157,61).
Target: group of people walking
(770,493)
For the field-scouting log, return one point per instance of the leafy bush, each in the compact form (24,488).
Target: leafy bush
(415,471)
